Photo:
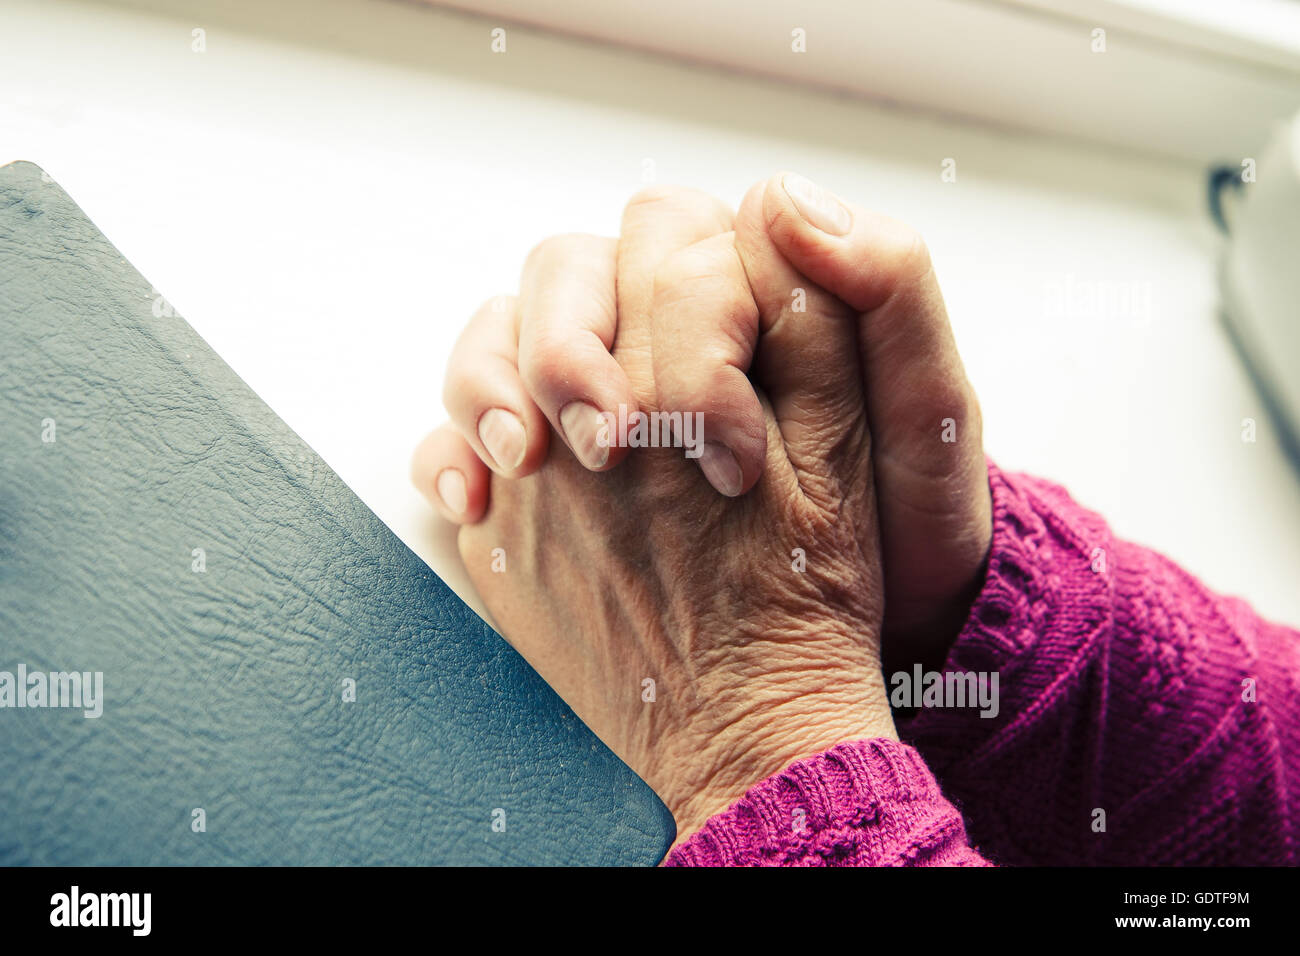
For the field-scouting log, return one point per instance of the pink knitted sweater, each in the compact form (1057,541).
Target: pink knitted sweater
(1143,720)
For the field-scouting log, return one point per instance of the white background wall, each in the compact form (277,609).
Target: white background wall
(329,191)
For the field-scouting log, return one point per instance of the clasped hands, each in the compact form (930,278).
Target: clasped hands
(715,617)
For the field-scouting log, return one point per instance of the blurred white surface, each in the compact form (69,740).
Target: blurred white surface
(1196,80)
(331,189)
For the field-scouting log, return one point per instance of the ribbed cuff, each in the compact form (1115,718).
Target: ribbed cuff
(861,803)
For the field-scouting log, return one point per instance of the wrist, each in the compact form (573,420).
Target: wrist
(767,740)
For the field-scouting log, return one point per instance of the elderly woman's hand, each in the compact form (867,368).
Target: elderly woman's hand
(709,640)
(553,363)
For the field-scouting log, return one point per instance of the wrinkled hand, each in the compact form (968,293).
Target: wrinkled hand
(929,467)
(708,640)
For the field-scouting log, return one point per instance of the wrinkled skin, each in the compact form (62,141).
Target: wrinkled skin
(646,573)
(619,576)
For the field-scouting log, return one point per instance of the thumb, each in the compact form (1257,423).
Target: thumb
(807,362)
(931,474)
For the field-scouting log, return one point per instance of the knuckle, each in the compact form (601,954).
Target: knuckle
(786,228)
(675,279)
(702,271)
(719,318)
(905,251)
(778,219)
(944,400)
(546,360)
(496,304)
(455,385)
(556,249)
(692,205)
(656,195)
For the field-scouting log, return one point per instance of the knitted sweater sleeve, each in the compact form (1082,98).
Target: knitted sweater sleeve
(1141,719)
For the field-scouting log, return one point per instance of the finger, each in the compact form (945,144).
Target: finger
(487,399)
(881,268)
(705,324)
(925,422)
(448,472)
(567,323)
(657,222)
(807,362)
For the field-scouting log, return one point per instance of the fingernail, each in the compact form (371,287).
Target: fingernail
(503,436)
(451,489)
(721,468)
(820,208)
(582,426)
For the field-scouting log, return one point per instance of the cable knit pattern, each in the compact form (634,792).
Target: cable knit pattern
(1143,720)
(862,803)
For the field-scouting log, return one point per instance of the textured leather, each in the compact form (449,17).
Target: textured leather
(223,688)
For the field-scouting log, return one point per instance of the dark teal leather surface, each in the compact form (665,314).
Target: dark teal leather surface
(223,689)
